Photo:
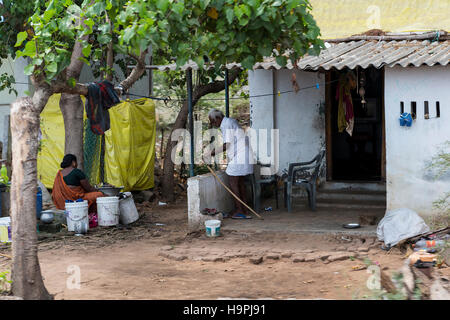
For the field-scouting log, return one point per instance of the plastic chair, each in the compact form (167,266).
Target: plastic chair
(303,174)
(257,181)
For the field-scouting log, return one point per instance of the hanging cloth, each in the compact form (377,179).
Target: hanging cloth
(101,97)
(346,117)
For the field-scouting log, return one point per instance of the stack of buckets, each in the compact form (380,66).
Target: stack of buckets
(110,210)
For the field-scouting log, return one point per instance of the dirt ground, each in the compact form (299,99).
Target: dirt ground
(152,261)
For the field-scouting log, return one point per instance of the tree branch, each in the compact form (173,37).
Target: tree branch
(136,73)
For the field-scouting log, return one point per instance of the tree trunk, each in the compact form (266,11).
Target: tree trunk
(72,110)
(180,122)
(27,280)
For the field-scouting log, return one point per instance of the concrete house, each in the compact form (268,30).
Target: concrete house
(401,72)
(400,57)
(400,77)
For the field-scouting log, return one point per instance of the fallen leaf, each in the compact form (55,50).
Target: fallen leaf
(359,267)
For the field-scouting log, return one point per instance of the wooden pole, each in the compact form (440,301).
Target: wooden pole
(231,192)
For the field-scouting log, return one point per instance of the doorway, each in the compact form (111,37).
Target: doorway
(359,156)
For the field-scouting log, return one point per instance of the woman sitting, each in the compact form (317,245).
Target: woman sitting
(71,184)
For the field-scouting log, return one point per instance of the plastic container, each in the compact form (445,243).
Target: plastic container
(5,229)
(428,244)
(77,217)
(127,208)
(108,211)
(39,203)
(212,228)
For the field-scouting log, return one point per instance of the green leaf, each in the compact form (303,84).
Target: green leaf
(229,15)
(294,3)
(52,67)
(204,4)
(238,12)
(30,49)
(128,34)
(72,82)
(104,38)
(178,8)
(89,22)
(84,60)
(162,5)
(291,20)
(281,60)
(87,50)
(21,36)
(248,62)
(277,3)
(244,21)
(265,51)
(28,70)
(48,14)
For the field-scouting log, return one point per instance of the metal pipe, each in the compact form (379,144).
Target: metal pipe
(191,118)
(227,95)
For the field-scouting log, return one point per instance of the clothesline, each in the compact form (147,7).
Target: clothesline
(168,98)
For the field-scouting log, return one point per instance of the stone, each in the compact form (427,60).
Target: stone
(375,245)
(231,255)
(310,258)
(166,248)
(256,260)
(339,257)
(53,227)
(213,259)
(286,254)
(173,256)
(273,256)
(178,257)
(298,258)
(308,251)
(147,195)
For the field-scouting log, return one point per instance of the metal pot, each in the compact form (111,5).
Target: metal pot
(110,191)
(47,216)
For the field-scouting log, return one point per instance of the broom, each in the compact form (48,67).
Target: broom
(231,192)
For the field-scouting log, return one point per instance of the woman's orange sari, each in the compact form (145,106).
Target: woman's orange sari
(62,192)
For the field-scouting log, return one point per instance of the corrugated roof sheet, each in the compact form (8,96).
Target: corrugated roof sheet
(371,53)
(363,53)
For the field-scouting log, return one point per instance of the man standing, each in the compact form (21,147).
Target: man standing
(240,158)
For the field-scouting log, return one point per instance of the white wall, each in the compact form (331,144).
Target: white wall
(299,117)
(408,150)
(14,68)
(204,191)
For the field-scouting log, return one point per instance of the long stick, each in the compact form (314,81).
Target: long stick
(235,196)
(5,255)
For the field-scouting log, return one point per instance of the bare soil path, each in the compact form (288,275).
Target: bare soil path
(152,261)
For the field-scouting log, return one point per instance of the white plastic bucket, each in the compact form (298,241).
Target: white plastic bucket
(212,228)
(108,211)
(128,211)
(77,216)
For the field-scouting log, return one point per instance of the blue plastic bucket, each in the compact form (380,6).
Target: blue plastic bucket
(39,203)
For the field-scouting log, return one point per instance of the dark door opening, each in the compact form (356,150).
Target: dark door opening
(358,157)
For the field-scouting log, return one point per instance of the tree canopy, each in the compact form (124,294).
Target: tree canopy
(222,31)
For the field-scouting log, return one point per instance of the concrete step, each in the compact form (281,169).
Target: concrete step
(351,206)
(352,195)
(354,186)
